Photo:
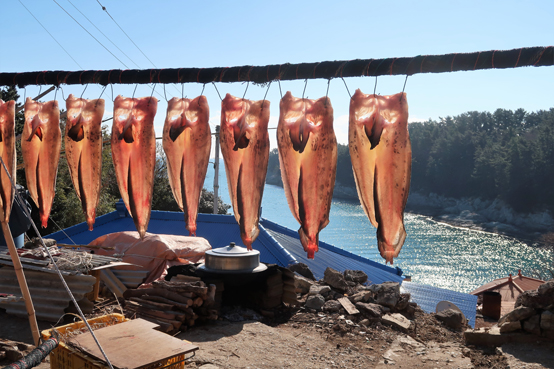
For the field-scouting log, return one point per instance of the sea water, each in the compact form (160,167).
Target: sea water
(434,253)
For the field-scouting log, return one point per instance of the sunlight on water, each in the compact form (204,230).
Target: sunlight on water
(434,253)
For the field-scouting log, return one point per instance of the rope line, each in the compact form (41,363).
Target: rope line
(515,58)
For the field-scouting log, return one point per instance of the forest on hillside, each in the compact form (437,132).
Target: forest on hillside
(506,154)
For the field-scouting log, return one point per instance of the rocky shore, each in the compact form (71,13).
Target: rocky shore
(493,216)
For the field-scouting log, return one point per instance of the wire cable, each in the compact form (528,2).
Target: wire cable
(106,10)
(91,35)
(130,39)
(103,34)
(60,45)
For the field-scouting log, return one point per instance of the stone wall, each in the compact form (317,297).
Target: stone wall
(533,313)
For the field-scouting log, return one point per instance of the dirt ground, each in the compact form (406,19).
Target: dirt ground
(298,339)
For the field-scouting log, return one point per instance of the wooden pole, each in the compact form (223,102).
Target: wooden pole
(21,280)
(216,169)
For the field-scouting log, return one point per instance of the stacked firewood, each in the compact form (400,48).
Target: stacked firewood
(173,305)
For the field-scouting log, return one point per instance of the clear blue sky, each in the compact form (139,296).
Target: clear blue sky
(228,33)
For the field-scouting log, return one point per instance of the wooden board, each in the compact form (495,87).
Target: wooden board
(133,344)
(348,306)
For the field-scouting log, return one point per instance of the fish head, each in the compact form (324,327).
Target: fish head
(241,134)
(367,116)
(299,125)
(241,126)
(75,122)
(36,125)
(187,119)
(127,129)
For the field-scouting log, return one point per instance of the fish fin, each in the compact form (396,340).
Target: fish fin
(133,207)
(310,246)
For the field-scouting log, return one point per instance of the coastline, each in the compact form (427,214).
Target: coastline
(475,214)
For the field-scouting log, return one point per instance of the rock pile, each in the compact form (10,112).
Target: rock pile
(346,293)
(533,313)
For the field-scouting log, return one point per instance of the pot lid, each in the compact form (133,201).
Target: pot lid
(232,250)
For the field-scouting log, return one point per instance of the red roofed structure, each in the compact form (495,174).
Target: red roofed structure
(509,289)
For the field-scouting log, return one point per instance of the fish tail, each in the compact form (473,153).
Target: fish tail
(192,229)
(310,245)
(247,242)
(44,220)
(90,222)
(390,250)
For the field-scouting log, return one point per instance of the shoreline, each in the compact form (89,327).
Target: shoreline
(443,214)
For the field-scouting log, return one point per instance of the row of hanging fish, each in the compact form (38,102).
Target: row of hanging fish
(378,140)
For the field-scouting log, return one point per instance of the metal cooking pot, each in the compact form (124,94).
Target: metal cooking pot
(232,259)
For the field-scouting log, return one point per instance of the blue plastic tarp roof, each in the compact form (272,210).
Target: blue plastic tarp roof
(331,256)
(427,297)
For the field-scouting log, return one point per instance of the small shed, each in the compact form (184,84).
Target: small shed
(506,290)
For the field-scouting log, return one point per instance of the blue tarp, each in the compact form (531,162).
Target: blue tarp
(427,297)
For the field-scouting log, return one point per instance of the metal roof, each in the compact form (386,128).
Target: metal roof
(427,297)
(331,256)
(520,282)
(47,291)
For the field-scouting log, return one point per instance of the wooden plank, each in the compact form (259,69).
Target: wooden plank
(348,306)
(133,344)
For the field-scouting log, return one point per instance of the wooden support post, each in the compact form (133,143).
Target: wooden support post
(93,296)
(21,280)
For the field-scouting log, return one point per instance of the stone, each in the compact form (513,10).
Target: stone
(388,294)
(209,366)
(403,301)
(362,296)
(547,289)
(364,322)
(397,320)
(315,302)
(302,284)
(532,325)
(356,276)
(519,313)
(451,318)
(317,289)
(547,320)
(370,310)
(534,299)
(332,306)
(335,279)
(510,326)
(303,270)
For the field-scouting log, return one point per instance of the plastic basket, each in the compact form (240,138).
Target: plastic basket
(65,357)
